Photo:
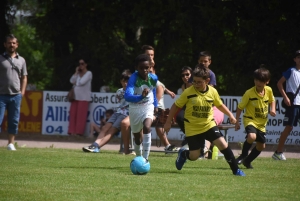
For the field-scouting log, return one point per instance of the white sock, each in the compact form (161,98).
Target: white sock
(138,149)
(167,146)
(146,145)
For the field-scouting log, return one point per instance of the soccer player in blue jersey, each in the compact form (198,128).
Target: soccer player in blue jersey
(141,95)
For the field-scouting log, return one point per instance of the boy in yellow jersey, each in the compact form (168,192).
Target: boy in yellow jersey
(256,101)
(199,122)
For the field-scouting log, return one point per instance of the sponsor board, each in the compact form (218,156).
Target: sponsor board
(30,113)
(56,116)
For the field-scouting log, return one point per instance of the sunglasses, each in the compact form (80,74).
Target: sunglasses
(198,83)
(186,74)
(81,63)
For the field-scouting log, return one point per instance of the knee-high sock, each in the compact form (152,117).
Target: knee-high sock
(254,153)
(230,159)
(246,148)
(138,149)
(146,145)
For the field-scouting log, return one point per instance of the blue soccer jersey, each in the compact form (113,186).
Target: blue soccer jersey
(135,87)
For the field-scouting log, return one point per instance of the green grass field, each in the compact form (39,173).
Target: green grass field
(63,174)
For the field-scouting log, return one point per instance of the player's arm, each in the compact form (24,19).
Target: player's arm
(237,117)
(173,110)
(129,92)
(272,109)
(226,111)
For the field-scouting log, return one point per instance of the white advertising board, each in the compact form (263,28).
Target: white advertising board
(56,116)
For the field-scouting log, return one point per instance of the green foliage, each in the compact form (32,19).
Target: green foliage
(60,174)
(241,35)
(37,53)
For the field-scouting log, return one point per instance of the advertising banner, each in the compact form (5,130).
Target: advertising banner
(31,113)
(56,116)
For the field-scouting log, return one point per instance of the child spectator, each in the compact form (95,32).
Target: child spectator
(113,125)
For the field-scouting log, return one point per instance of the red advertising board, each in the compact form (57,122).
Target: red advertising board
(31,113)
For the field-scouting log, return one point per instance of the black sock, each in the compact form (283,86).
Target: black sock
(246,148)
(186,154)
(254,153)
(230,159)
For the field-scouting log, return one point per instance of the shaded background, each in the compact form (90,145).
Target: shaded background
(241,35)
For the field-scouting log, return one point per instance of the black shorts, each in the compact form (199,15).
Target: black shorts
(195,142)
(292,116)
(260,136)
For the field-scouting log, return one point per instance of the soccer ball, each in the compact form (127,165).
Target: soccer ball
(139,166)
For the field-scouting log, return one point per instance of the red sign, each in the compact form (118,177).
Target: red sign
(31,113)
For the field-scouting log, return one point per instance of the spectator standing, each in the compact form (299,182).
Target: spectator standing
(292,114)
(81,80)
(13,81)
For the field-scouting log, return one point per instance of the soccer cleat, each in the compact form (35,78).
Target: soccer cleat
(239,160)
(11,147)
(180,159)
(91,148)
(247,165)
(240,173)
(279,156)
(171,148)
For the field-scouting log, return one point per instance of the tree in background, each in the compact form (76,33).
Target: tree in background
(241,35)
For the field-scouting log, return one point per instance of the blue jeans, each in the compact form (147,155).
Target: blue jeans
(11,103)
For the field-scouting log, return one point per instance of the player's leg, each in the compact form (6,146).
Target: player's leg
(136,123)
(191,153)
(147,137)
(250,138)
(216,137)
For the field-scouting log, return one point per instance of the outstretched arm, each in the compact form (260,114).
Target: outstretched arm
(173,110)
(226,111)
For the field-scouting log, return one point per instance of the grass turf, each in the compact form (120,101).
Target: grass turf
(64,174)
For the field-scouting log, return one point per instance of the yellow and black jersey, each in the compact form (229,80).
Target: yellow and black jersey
(257,107)
(198,115)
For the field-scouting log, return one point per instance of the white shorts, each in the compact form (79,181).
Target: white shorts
(138,115)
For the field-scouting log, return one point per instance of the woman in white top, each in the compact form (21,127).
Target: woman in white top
(81,81)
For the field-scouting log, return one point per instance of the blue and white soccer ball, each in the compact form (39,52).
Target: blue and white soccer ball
(139,166)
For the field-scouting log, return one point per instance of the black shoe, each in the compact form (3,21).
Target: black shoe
(239,160)
(171,148)
(247,165)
